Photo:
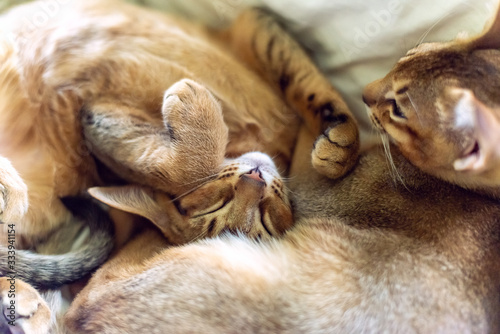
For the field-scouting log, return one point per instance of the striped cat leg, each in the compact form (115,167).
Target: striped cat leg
(170,154)
(262,43)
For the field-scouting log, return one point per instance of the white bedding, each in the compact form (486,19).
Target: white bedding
(353,41)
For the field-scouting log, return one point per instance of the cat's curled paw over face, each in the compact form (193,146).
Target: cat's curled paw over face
(247,196)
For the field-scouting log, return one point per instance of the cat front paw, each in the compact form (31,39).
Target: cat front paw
(23,309)
(13,193)
(193,120)
(189,106)
(336,151)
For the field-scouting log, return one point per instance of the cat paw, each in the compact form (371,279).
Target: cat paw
(22,306)
(336,151)
(189,106)
(13,193)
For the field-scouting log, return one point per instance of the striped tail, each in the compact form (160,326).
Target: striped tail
(52,271)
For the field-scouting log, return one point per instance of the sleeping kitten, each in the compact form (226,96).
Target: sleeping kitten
(168,106)
(247,195)
(440,105)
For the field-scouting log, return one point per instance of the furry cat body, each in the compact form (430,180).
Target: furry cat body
(439,104)
(139,90)
(357,260)
(367,254)
(115,81)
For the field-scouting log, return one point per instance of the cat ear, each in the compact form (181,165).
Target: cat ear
(142,201)
(490,37)
(486,131)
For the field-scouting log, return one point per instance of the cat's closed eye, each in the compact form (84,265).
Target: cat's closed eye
(247,196)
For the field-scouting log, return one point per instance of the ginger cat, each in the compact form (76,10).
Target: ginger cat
(366,254)
(358,260)
(440,105)
(169,106)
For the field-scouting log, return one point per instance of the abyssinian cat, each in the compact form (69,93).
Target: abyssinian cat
(366,255)
(171,107)
(440,105)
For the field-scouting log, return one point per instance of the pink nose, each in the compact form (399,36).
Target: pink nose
(254,174)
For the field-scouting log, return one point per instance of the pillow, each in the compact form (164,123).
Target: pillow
(353,41)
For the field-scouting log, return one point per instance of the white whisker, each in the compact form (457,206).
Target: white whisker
(280,172)
(427,32)
(201,235)
(387,153)
(393,169)
(210,178)
(290,192)
(414,108)
(201,179)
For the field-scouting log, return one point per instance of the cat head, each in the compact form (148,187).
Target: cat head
(440,105)
(247,195)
